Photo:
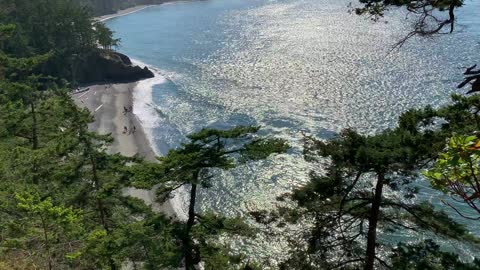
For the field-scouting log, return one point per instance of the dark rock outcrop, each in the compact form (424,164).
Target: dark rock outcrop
(106,66)
(124,58)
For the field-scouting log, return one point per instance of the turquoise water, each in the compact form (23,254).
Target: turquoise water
(293,67)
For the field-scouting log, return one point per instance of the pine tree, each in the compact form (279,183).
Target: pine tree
(428,255)
(43,231)
(45,146)
(347,204)
(192,165)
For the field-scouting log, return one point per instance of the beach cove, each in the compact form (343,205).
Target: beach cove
(240,134)
(293,67)
(107,103)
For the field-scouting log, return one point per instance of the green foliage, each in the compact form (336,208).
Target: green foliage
(51,230)
(341,199)
(261,148)
(33,205)
(456,170)
(193,164)
(150,242)
(427,218)
(61,194)
(69,211)
(209,229)
(208,149)
(6,31)
(104,36)
(62,30)
(455,165)
(18,68)
(427,255)
(458,164)
(212,224)
(208,135)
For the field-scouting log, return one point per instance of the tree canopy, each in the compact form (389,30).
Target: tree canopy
(62,204)
(60,28)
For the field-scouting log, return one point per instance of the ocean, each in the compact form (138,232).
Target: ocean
(293,67)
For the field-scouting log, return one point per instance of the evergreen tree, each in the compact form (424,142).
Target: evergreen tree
(192,165)
(55,164)
(427,255)
(64,29)
(348,206)
(104,36)
(43,234)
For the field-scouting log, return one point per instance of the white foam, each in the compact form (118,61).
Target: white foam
(143,100)
(144,109)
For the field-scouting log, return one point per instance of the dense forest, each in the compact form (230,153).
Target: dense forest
(61,199)
(75,47)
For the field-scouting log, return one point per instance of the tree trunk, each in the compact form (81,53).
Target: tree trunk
(372,223)
(34,127)
(34,142)
(47,244)
(451,13)
(101,207)
(187,242)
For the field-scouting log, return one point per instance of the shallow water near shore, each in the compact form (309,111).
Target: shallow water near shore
(293,67)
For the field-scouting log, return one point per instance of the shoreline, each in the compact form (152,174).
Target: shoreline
(122,12)
(106,102)
(133,9)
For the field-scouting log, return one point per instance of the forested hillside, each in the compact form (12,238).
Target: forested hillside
(61,194)
(66,34)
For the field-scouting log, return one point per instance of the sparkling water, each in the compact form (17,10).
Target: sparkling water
(291,66)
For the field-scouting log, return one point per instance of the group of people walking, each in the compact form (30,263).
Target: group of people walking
(127,110)
(132,129)
(129,131)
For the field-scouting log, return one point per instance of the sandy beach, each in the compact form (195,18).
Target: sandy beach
(122,12)
(134,9)
(107,103)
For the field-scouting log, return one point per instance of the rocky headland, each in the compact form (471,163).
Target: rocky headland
(108,66)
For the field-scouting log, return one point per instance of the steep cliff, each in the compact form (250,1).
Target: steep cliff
(104,66)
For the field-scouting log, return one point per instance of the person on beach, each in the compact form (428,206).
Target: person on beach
(125,110)
(125,130)
(134,129)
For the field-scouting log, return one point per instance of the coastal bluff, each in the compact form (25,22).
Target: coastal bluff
(108,66)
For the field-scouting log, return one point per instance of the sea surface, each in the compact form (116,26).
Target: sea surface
(294,67)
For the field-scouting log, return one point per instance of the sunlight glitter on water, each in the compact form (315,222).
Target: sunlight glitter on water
(310,66)
(292,66)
